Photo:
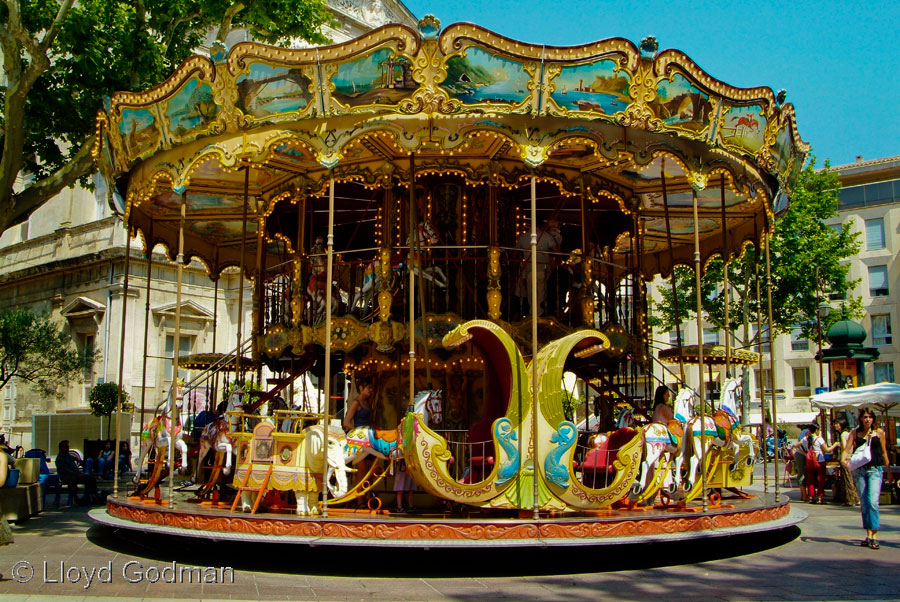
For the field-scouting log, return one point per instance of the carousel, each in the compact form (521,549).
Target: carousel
(459,226)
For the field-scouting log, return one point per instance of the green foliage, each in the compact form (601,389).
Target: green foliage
(103,401)
(35,350)
(61,58)
(806,256)
(570,403)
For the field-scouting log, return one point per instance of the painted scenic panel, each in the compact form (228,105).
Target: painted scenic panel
(593,87)
(382,77)
(744,127)
(268,90)
(192,109)
(680,103)
(139,131)
(222,230)
(291,153)
(781,150)
(479,76)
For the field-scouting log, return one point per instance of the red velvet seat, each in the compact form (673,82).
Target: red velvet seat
(598,466)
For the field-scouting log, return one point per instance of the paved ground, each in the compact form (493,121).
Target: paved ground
(820,560)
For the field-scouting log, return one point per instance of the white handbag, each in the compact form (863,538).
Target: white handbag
(862,455)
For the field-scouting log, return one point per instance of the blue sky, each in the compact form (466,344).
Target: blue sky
(838,61)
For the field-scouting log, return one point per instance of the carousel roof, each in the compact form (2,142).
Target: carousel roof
(712,354)
(631,130)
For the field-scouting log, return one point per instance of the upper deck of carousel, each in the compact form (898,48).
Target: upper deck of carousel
(611,131)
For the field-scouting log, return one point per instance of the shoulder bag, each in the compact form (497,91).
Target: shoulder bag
(862,455)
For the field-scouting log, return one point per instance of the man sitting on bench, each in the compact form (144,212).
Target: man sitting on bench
(70,475)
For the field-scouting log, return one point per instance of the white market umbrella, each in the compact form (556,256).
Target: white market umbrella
(884,396)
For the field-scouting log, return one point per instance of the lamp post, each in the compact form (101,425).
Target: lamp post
(823,310)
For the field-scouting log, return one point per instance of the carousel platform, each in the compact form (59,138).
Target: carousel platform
(429,529)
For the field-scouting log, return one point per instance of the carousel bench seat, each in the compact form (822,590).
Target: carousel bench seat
(599,463)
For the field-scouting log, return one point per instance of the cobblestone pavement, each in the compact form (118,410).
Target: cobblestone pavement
(820,560)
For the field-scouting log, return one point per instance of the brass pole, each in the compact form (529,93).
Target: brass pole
(259,292)
(326,427)
(679,342)
(146,326)
(413,224)
(725,294)
(121,358)
(146,323)
(702,388)
(238,368)
(173,389)
(772,351)
(534,344)
(762,384)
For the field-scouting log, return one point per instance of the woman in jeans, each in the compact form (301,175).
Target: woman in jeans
(868,477)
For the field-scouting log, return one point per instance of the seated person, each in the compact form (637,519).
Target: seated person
(102,465)
(125,457)
(71,475)
(662,412)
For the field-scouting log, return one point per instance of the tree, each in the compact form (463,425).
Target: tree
(103,401)
(806,257)
(60,59)
(34,349)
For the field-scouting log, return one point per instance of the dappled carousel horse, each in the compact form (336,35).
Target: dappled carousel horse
(365,441)
(215,435)
(155,436)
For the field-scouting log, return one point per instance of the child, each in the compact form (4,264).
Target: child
(403,483)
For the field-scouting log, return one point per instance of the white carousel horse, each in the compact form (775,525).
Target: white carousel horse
(215,435)
(156,434)
(729,420)
(365,441)
(692,446)
(658,447)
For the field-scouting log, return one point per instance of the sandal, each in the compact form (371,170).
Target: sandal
(873,544)
(864,543)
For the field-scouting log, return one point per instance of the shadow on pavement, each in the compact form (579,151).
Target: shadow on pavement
(432,563)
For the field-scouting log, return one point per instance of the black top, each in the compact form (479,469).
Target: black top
(877,457)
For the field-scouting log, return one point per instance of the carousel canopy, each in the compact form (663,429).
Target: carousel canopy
(627,131)
(712,354)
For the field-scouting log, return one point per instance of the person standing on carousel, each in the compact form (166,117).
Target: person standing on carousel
(549,240)
(359,414)
(869,476)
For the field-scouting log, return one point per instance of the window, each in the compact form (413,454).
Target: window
(884,372)
(878,281)
(710,336)
(798,341)
(874,234)
(881,329)
(673,337)
(185,345)
(765,338)
(801,382)
(87,373)
(762,377)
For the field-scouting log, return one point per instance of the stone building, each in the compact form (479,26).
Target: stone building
(68,261)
